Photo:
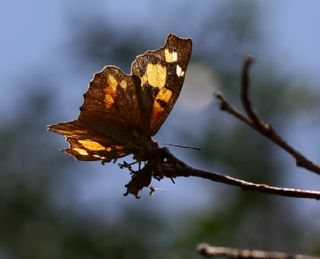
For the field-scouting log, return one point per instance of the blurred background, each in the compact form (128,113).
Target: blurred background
(52,206)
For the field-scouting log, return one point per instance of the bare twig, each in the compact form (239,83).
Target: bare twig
(258,124)
(212,251)
(173,167)
(244,90)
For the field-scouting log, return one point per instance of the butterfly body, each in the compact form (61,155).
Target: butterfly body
(121,113)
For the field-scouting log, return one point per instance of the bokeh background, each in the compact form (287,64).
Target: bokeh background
(52,206)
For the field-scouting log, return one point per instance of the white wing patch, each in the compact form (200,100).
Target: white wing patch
(179,71)
(81,151)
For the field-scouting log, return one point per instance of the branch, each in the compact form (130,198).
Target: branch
(173,167)
(163,163)
(244,90)
(264,128)
(212,251)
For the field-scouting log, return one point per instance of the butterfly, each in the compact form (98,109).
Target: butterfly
(121,112)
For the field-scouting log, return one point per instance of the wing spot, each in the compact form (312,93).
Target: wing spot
(156,75)
(81,151)
(161,101)
(109,101)
(112,82)
(179,71)
(110,90)
(100,157)
(123,84)
(170,57)
(91,145)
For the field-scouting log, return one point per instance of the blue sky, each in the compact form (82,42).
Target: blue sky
(31,29)
(34,31)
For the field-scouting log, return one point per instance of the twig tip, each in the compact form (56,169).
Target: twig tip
(217,93)
(250,59)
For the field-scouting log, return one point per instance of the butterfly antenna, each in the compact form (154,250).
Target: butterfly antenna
(182,146)
(153,190)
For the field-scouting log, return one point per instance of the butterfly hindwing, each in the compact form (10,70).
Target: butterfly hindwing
(111,101)
(87,149)
(71,128)
(86,143)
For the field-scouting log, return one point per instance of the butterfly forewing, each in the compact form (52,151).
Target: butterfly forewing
(162,73)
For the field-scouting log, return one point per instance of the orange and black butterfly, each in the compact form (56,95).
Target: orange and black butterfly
(120,112)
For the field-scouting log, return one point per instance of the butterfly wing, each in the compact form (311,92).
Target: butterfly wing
(161,73)
(108,116)
(111,104)
(90,149)
(118,107)
(86,143)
